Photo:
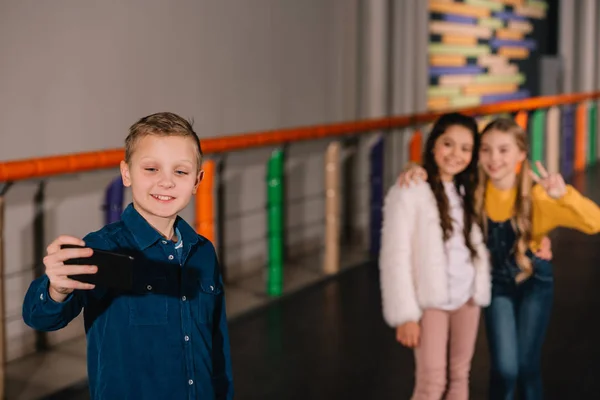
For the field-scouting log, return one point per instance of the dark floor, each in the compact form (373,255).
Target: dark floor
(329,342)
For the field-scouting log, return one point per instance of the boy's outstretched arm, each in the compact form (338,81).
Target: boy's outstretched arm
(221,353)
(53,300)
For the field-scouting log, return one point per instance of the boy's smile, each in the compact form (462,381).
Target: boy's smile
(163,175)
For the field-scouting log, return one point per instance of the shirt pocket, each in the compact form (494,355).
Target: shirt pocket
(208,296)
(149,305)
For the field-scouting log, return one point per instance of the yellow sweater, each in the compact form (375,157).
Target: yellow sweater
(570,211)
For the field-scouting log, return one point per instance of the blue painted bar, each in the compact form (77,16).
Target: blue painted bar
(460,19)
(528,43)
(468,70)
(507,16)
(567,145)
(113,201)
(376,195)
(495,98)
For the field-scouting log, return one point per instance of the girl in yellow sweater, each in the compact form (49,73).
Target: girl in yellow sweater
(517,208)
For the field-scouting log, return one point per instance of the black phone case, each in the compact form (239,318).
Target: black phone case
(115,271)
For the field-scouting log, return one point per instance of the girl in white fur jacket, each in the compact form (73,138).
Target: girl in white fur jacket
(434,263)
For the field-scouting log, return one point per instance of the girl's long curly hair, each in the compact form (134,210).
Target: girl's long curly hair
(521,219)
(465,181)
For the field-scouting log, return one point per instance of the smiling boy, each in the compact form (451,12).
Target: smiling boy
(168,337)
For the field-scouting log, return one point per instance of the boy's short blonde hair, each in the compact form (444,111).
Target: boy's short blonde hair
(161,124)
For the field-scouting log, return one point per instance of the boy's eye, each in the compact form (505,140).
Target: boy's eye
(150,169)
(181,172)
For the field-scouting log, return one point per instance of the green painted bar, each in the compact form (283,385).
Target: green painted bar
(593,134)
(275,194)
(491,23)
(486,78)
(538,118)
(536,3)
(437,48)
(492,5)
(465,101)
(435,91)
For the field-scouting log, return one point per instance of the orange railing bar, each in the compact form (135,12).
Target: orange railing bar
(580,137)
(522,119)
(47,166)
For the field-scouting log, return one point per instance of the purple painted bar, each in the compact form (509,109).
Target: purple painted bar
(376,197)
(567,145)
(460,19)
(508,16)
(495,98)
(528,44)
(468,70)
(113,203)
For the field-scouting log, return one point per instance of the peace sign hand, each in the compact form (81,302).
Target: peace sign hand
(553,184)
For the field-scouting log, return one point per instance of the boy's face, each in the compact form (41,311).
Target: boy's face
(163,175)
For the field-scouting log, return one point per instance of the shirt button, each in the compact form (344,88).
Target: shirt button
(191,382)
(183,298)
(171,257)
(186,338)
(164,242)
(42,296)
(149,287)
(212,288)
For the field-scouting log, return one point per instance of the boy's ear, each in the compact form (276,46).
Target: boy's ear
(125,174)
(522,156)
(198,180)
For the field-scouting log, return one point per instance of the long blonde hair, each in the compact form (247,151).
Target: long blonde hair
(522,215)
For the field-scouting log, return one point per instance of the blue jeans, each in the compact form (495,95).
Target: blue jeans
(516,323)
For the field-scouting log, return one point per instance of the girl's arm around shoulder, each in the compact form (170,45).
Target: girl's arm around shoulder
(399,298)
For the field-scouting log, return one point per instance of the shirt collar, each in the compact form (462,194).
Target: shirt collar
(145,235)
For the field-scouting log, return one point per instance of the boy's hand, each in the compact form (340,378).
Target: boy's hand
(414,173)
(408,334)
(60,284)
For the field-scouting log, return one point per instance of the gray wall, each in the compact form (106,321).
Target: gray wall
(75,74)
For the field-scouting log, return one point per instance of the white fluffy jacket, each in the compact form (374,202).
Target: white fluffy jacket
(412,261)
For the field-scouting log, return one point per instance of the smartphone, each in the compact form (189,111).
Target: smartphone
(115,271)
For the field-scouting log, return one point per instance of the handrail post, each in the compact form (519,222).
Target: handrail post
(41,338)
(331,261)
(205,216)
(376,196)
(113,201)
(275,218)
(3,191)
(220,204)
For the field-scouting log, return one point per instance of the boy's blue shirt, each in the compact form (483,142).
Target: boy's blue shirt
(166,340)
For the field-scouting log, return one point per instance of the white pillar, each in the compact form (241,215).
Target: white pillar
(376,72)
(375,59)
(597,43)
(587,43)
(421,37)
(372,97)
(566,43)
(403,78)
